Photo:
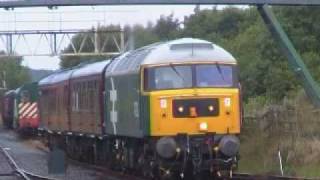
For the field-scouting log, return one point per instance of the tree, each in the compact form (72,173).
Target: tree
(11,72)
(167,27)
(142,35)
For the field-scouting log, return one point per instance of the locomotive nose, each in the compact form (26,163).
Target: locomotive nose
(229,145)
(166,147)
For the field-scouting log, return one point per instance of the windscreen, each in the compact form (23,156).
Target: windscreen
(169,77)
(189,76)
(214,75)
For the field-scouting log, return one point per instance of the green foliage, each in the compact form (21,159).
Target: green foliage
(166,27)
(12,72)
(142,35)
(264,71)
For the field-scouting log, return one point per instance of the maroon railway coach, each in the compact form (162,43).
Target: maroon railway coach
(72,100)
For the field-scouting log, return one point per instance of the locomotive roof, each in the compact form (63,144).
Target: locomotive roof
(187,49)
(176,51)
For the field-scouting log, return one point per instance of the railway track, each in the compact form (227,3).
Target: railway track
(246,176)
(10,170)
(106,173)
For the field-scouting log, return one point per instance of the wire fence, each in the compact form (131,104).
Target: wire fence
(298,121)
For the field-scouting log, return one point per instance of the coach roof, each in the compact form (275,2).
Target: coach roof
(90,69)
(56,77)
(78,71)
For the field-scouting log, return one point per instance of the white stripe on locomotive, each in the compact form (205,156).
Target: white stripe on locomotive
(28,110)
(25,105)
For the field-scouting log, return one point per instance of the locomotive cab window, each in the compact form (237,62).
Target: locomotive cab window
(214,75)
(168,77)
(189,76)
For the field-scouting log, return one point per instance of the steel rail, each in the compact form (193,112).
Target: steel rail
(37,177)
(248,176)
(14,165)
(22,173)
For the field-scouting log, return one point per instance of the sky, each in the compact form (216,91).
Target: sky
(79,18)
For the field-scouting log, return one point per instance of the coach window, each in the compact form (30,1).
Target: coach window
(75,97)
(90,100)
(65,97)
(86,95)
(79,93)
(86,92)
(44,101)
(96,95)
(80,96)
(91,96)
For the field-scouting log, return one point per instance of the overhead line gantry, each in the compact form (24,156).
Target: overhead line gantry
(50,3)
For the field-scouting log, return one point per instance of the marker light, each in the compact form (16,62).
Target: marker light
(210,108)
(180,109)
(203,126)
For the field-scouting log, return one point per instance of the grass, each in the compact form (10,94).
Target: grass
(299,144)
(308,171)
(259,155)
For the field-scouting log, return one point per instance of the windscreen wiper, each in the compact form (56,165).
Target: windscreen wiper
(220,71)
(177,72)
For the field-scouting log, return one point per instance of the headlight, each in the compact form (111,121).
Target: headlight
(181,109)
(210,108)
